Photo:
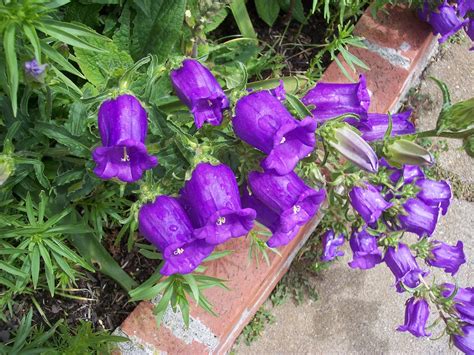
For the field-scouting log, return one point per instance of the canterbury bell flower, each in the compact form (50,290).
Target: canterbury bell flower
(165,224)
(288,196)
(123,129)
(335,99)
(211,199)
(465,341)
(365,251)
(34,70)
(376,124)
(368,202)
(420,218)
(463,301)
(447,257)
(443,20)
(403,266)
(435,193)
(199,90)
(417,312)
(331,242)
(262,121)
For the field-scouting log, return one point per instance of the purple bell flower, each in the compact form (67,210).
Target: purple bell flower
(376,125)
(445,21)
(417,312)
(331,243)
(368,202)
(465,342)
(288,196)
(335,99)
(464,7)
(447,257)
(403,266)
(123,129)
(165,224)
(262,121)
(199,90)
(211,198)
(35,70)
(366,253)
(469,28)
(420,219)
(435,193)
(269,219)
(464,301)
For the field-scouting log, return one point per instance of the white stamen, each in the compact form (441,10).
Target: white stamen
(220,221)
(296,209)
(125,155)
(283,140)
(178,251)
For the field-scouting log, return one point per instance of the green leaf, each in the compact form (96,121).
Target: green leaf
(62,136)
(241,16)
(300,109)
(12,270)
(156,27)
(444,89)
(68,38)
(193,285)
(69,83)
(57,57)
(268,10)
(99,67)
(122,36)
(49,269)
(32,36)
(30,212)
(35,265)
(23,331)
(75,29)
(12,65)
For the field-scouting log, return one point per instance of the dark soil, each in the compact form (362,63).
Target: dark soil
(96,298)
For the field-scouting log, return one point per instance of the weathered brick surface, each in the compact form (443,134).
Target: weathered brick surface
(399,44)
(398,47)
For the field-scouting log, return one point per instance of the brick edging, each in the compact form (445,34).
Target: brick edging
(398,48)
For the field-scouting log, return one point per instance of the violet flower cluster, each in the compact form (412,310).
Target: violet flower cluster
(334,99)
(448,18)
(208,212)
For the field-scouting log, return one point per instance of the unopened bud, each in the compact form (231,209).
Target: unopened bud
(400,151)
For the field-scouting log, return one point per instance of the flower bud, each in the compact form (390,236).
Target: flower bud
(35,71)
(354,148)
(401,151)
(469,145)
(457,118)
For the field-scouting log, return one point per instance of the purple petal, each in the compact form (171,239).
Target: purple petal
(421,219)
(376,125)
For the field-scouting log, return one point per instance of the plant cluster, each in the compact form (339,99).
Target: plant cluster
(137,123)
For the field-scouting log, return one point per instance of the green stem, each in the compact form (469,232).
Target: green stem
(433,133)
(242,18)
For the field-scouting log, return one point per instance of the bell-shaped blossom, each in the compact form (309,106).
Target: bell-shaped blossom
(199,90)
(365,251)
(417,312)
(409,173)
(288,196)
(465,342)
(123,129)
(376,124)
(463,301)
(165,224)
(445,21)
(354,148)
(435,193)
(447,257)
(368,202)
(211,198)
(335,99)
(331,242)
(262,121)
(403,266)
(420,218)
(269,219)
(35,70)
(464,7)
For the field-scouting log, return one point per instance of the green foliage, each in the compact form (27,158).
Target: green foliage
(254,329)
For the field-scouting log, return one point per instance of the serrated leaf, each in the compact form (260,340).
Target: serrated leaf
(121,37)
(99,67)
(268,10)
(63,137)
(156,27)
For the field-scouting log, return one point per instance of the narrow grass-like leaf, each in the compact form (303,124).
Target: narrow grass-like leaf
(12,64)
(67,38)
(56,57)
(30,212)
(241,16)
(49,269)
(12,270)
(64,266)
(191,281)
(72,28)
(35,265)
(32,36)
(23,331)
